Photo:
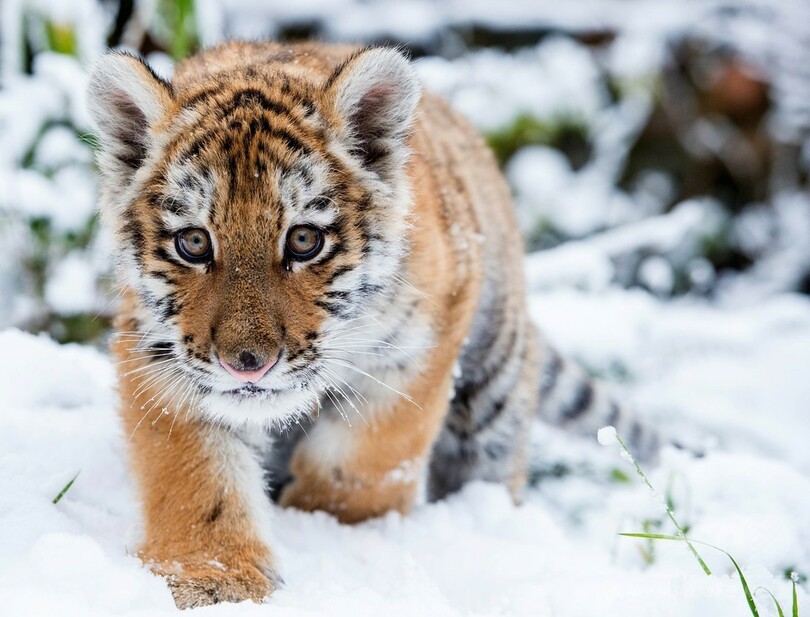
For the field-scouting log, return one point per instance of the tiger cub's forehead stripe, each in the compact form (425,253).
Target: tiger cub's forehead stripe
(222,93)
(239,134)
(188,190)
(218,107)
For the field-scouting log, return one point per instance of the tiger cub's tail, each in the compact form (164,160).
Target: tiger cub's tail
(571,399)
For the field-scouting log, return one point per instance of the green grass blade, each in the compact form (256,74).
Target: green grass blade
(681,532)
(794,577)
(65,489)
(749,598)
(773,597)
(653,536)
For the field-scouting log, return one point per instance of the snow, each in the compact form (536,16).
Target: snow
(58,147)
(491,87)
(67,199)
(730,377)
(656,274)
(606,436)
(546,188)
(71,288)
(591,263)
(725,376)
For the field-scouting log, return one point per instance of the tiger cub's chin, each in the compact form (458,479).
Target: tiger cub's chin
(258,409)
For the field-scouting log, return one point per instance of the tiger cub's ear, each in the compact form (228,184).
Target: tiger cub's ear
(126,100)
(374,95)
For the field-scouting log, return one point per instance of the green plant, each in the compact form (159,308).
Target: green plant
(61,38)
(605,435)
(566,133)
(178,18)
(65,489)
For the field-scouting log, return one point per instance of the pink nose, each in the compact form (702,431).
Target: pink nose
(248,376)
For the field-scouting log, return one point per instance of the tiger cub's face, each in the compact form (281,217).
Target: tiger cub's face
(257,216)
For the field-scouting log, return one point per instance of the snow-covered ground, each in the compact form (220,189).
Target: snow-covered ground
(722,368)
(732,380)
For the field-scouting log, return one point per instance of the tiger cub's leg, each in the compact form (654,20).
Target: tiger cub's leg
(202,488)
(486,434)
(364,470)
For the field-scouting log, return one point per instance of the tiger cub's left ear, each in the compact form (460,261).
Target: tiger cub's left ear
(126,100)
(374,95)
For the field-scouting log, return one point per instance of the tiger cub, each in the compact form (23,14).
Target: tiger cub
(322,277)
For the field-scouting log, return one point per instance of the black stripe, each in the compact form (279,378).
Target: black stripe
(614,414)
(162,254)
(338,294)
(496,450)
(254,96)
(494,411)
(580,403)
(169,306)
(206,93)
(215,513)
(134,232)
(369,289)
(318,204)
(292,142)
(329,307)
(165,202)
(336,249)
(550,374)
(163,276)
(340,271)
(635,434)
(365,203)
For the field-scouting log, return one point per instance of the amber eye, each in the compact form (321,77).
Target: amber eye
(193,245)
(304,242)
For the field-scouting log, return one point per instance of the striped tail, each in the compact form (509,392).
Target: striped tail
(571,399)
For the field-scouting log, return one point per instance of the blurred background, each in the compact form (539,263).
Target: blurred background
(656,145)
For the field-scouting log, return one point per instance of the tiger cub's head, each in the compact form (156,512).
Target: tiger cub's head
(258,212)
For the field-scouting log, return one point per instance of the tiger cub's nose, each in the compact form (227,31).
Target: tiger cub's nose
(249,366)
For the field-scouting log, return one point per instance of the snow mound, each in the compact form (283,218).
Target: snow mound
(475,553)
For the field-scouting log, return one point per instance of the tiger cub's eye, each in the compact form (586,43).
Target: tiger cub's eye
(304,242)
(193,245)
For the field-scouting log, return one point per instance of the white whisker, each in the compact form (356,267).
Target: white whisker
(383,384)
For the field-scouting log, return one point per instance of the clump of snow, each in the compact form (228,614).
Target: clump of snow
(67,199)
(656,274)
(606,436)
(594,262)
(72,287)
(59,147)
(547,189)
(636,55)
(492,87)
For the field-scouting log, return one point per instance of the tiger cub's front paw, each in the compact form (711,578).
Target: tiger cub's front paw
(210,582)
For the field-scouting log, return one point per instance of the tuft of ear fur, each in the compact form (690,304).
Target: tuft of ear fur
(126,100)
(375,94)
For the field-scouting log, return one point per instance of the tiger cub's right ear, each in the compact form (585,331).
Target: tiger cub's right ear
(126,100)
